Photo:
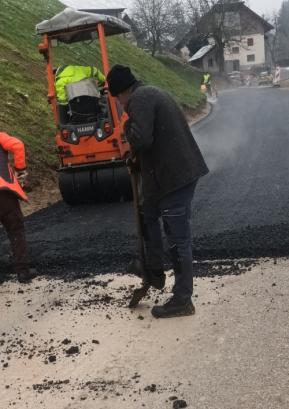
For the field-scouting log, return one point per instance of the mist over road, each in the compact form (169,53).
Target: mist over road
(240,208)
(242,205)
(246,144)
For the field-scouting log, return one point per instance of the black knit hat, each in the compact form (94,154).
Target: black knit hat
(119,79)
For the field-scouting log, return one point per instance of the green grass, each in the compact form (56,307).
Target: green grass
(183,70)
(24,111)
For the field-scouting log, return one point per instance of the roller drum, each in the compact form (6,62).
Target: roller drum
(109,184)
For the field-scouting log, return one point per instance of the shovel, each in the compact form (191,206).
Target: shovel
(141,292)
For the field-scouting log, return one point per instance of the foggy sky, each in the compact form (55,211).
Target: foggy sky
(259,6)
(265,6)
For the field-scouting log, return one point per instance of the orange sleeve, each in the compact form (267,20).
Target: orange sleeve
(16,147)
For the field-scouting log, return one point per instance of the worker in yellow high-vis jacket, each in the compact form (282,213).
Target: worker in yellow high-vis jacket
(207,81)
(70,74)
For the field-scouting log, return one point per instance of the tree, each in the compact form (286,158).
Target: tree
(282,33)
(161,21)
(278,39)
(272,38)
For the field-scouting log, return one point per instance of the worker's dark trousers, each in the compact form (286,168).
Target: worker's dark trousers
(12,219)
(175,211)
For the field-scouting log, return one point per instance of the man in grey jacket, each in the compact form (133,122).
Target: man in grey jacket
(170,165)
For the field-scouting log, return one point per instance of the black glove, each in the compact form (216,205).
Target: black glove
(132,165)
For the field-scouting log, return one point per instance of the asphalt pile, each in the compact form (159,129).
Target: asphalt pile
(240,209)
(72,243)
(250,242)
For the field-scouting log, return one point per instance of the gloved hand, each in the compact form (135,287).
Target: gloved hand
(132,165)
(21,176)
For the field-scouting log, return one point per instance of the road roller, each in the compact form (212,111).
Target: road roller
(91,143)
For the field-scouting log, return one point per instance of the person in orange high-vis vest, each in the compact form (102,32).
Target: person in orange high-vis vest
(11,182)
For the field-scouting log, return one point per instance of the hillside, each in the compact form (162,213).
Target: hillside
(186,72)
(23,106)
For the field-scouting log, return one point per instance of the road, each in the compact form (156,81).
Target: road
(240,208)
(246,144)
(73,343)
(243,204)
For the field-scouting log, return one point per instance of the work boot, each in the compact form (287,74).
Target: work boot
(25,277)
(156,277)
(174,308)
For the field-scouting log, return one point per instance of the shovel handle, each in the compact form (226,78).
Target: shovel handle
(136,206)
(141,292)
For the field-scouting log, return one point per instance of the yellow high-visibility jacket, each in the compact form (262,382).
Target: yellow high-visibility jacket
(74,73)
(207,79)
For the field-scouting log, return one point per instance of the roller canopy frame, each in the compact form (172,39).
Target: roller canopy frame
(93,169)
(72,26)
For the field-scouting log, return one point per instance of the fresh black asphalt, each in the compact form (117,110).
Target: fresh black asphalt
(240,209)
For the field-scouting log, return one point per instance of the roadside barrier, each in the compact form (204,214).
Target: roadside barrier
(277,77)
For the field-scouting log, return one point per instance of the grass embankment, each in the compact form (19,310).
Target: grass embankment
(24,111)
(186,72)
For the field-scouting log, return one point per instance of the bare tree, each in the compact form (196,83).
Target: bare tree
(180,24)
(157,19)
(278,39)
(272,38)
(283,33)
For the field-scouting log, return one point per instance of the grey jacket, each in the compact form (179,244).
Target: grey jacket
(159,135)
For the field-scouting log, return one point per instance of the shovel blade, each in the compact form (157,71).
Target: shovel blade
(138,295)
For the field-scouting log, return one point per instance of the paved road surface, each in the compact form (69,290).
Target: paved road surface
(233,354)
(246,145)
(240,209)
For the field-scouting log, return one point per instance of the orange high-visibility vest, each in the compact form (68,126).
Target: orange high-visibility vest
(8,181)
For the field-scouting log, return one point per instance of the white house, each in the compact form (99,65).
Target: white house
(248,48)
(245,52)
(244,35)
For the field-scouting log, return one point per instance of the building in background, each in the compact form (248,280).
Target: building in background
(111,7)
(244,35)
(205,59)
(114,8)
(247,49)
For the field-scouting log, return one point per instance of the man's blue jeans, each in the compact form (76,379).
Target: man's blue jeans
(175,212)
